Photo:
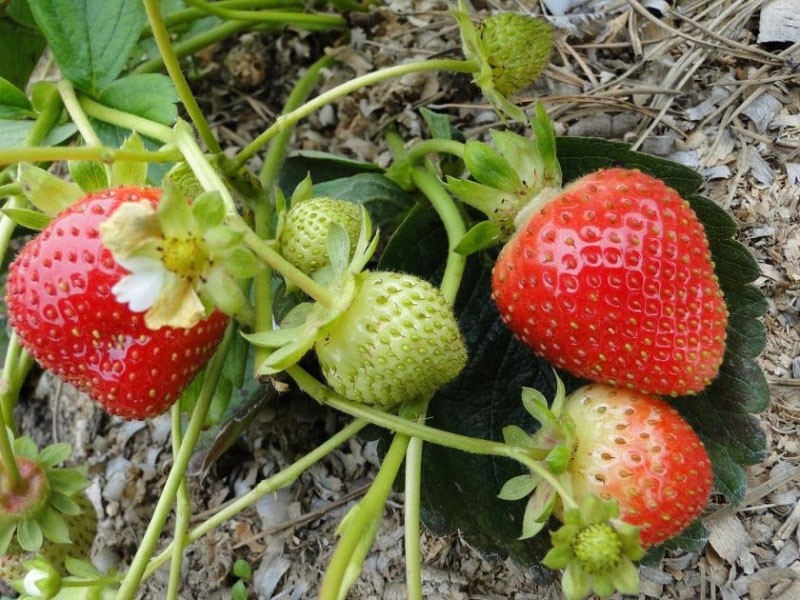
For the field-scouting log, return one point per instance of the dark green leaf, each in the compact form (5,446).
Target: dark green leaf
(460,491)
(579,156)
(21,43)
(150,96)
(90,39)
(382,197)
(321,166)
(14,104)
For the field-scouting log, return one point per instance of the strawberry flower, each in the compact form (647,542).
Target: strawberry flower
(41,581)
(182,258)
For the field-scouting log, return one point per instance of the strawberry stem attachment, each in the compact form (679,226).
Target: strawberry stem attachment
(10,477)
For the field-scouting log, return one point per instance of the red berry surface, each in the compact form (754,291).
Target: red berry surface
(613,280)
(638,450)
(61,305)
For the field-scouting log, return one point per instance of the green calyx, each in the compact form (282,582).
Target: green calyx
(509,50)
(38,509)
(506,177)
(596,551)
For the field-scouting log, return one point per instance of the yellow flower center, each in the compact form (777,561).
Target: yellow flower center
(185,256)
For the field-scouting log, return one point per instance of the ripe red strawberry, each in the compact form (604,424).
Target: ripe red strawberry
(612,280)
(638,450)
(61,305)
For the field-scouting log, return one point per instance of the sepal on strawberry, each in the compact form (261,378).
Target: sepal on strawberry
(596,551)
(510,50)
(505,178)
(38,510)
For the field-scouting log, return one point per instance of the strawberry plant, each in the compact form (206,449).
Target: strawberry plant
(442,299)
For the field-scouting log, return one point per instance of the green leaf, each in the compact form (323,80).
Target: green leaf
(489,167)
(31,219)
(63,503)
(25,447)
(383,198)
(47,192)
(241,569)
(14,104)
(209,209)
(149,95)
(13,134)
(90,39)
(322,166)
(21,43)
(81,568)
(67,481)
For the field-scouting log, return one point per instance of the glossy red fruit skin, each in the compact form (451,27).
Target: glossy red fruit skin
(612,280)
(61,306)
(638,450)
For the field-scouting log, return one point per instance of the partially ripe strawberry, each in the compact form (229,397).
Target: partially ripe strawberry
(398,340)
(612,280)
(638,450)
(304,232)
(82,528)
(60,303)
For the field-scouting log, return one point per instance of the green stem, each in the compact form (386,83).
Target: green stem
(324,395)
(16,367)
(113,116)
(183,513)
(454,225)
(188,15)
(77,114)
(361,523)
(92,153)
(273,160)
(435,146)
(284,18)
(411,519)
(172,64)
(12,479)
(267,486)
(194,44)
(133,577)
(289,119)
(272,257)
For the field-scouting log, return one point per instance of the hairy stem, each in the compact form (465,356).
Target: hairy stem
(183,513)
(289,119)
(113,116)
(172,64)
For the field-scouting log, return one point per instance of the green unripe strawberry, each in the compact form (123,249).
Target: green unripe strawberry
(517,48)
(82,528)
(398,340)
(304,234)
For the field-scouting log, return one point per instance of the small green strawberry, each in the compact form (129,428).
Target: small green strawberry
(517,48)
(509,52)
(304,233)
(398,340)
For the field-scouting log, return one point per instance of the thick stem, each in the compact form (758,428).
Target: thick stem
(113,116)
(284,18)
(289,119)
(172,64)
(13,479)
(133,577)
(362,523)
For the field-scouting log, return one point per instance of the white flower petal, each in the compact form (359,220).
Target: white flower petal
(141,289)
(30,581)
